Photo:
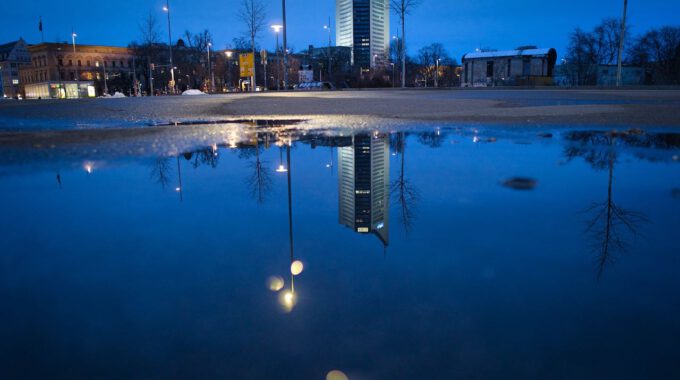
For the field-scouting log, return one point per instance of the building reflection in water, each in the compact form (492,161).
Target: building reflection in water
(363,185)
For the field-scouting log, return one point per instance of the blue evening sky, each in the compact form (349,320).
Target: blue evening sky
(460,25)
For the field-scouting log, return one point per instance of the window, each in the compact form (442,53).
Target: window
(73,75)
(70,62)
(61,62)
(80,64)
(113,63)
(509,67)
(467,70)
(489,69)
(88,64)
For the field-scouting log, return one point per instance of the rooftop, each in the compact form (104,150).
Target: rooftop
(510,53)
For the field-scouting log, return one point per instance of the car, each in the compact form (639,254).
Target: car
(315,86)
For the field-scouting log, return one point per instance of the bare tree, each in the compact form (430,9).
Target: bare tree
(659,52)
(403,8)
(609,222)
(402,191)
(252,13)
(599,47)
(429,58)
(260,180)
(161,170)
(148,30)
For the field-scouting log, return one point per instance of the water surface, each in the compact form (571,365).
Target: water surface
(431,252)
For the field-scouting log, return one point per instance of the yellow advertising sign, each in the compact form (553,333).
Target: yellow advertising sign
(246,64)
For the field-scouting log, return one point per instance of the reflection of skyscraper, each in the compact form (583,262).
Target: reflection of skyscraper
(363,185)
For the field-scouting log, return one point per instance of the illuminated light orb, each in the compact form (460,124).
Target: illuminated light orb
(275,283)
(178,189)
(296,267)
(88,168)
(287,300)
(336,375)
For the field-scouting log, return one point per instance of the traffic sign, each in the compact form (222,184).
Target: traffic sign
(246,65)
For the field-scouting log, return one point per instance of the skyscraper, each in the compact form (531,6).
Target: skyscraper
(364,25)
(363,185)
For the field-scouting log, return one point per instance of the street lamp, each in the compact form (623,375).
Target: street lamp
(166,9)
(229,54)
(277,28)
(285,46)
(210,70)
(106,87)
(328,27)
(281,168)
(392,63)
(436,74)
(73,39)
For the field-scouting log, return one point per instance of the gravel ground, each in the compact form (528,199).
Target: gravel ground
(631,108)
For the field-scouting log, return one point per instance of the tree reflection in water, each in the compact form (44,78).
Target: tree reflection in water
(403,193)
(260,181)
(161,171)
(610,222)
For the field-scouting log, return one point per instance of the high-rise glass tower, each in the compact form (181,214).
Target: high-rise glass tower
(364,25)
(363,185)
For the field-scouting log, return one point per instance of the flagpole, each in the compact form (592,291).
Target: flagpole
(42,32)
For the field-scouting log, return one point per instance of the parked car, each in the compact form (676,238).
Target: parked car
(315,86)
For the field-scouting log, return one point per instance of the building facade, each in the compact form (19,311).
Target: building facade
(567,75)
(520,67)
(57,71)
(363,185)
(13,56)
(364,26)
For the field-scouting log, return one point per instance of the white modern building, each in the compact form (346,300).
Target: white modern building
(363,185)
(364,26)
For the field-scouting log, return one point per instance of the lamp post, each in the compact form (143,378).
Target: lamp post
(210,70)
(166,8)
(106,87)
(73,39)
(285,47)
(436,74)
(623,36)
(229,54)
(277,28)
(328,27)
(263,57)
(396,40)
(392,63)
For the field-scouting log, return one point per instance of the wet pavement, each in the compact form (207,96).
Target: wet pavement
(431,251)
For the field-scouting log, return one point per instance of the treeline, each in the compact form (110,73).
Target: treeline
(656,51)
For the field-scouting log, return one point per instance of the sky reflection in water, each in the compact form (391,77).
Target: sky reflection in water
(430,253)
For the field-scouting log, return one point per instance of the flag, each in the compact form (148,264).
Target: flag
(40,25)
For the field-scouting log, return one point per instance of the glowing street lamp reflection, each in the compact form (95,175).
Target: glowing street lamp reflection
(336,375)
(288,300)
(275,283)
(296,267)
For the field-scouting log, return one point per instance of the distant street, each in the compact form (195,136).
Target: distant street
(626,108)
